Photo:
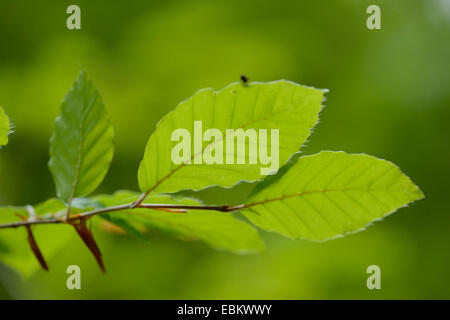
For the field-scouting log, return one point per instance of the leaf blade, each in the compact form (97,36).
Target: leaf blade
(330,194)
(5,127)
(81,147)
(283,105)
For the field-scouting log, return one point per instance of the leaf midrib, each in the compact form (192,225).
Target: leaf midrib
(303,193)
(80,149)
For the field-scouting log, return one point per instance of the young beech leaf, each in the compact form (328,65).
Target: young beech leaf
(5,128)
(291,108)
(218,229)
(328,195)
(81,148)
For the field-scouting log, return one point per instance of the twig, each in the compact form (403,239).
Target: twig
(223,208)
(129,206)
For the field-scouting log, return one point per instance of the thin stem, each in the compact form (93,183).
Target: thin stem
(223,208)
(29,222)
(69,207)
(139,201)
(128,206)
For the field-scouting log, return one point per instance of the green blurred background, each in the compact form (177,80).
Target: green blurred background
(389,97)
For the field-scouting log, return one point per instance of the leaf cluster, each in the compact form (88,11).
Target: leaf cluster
(316,197)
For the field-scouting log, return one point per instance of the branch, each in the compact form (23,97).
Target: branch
(223,208)
(129,206)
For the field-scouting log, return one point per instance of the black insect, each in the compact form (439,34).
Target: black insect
(244,79)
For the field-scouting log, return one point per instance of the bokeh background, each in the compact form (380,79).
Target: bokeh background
(389,97)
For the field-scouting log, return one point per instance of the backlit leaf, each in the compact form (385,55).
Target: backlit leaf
(5,128)
(329,194)
(291,108)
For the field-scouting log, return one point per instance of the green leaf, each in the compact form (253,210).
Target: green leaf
(291,108)
(5,128)
(14,248)
(51,206)
(328,195)
(81,148)
(218,229)
(128,226)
